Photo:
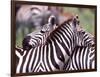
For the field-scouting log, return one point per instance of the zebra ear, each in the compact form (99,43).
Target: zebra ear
(76,21)
(52,20)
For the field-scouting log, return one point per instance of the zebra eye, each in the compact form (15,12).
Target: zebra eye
(61,58)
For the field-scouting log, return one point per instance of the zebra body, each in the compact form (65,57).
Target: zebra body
(37,60)
(53,55)
(82,58)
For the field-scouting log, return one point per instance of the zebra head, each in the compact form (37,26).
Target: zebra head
(82,37)
(39,38)
(50,26)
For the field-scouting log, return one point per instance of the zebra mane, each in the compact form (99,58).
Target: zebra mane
(59,26)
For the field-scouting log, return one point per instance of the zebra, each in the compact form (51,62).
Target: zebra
(83,58)
(53,54)
(34,39)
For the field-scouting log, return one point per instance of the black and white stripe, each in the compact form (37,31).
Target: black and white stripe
(33,40)
(54,54)
(82,58)
(39,37)
(49,57)
(86,38)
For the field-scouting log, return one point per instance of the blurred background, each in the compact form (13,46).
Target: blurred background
(31,18)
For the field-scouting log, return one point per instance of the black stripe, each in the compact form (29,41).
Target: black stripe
(91,62)
(70,38)
(36,43)
(39,67)
(43,57)
(52,58)
(67,27)
(75,58)
(34,58)
(55,35)
(80,52)
(38,57)
(39,38)
(87,54)
(67,42)
(29,60)
(47,59)
(86,39)
(83,57)
(59,53)
(23,62)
